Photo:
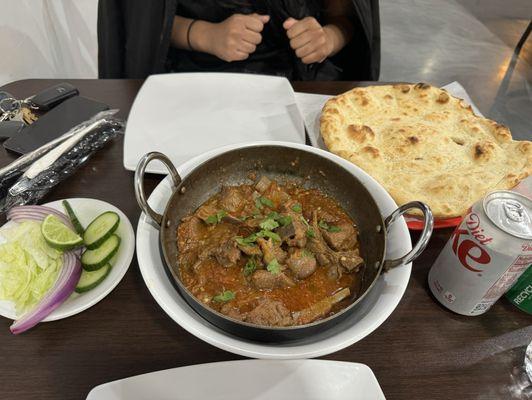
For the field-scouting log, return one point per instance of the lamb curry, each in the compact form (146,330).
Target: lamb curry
(270,254)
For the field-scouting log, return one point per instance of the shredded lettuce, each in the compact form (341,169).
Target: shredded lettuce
(28,266)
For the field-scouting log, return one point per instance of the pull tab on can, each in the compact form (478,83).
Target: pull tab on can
(511,212)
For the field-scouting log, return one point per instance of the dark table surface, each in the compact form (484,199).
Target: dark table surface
(422,351)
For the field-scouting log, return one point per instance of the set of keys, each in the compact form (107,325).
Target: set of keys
(28,110)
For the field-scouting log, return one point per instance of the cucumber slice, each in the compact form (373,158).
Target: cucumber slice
(90,279)
(73,218)
(91,260)
(100,229)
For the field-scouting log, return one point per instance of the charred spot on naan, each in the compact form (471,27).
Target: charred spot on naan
(372,151)
(442,98)
(422,86)
(484,151)
(360,133)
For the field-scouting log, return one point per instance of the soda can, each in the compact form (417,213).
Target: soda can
(520,294)
(485,255)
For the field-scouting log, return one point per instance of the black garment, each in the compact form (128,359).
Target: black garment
(273,55)
(134,41)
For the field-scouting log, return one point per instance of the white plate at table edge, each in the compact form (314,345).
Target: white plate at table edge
(263,379)
(164,293)
(79,302)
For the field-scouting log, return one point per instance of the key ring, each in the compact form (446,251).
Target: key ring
(14,103)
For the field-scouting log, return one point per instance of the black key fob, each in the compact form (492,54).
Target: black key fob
(10,128)
(52,96)
(5,95)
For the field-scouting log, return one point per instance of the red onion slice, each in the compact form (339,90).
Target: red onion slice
(68,275)
(64,286)
(36,213)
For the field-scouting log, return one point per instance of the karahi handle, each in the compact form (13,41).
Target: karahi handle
(428,225)
(140,194)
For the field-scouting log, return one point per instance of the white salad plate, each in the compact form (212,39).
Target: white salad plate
(378,304)
(186,114)
(86,210)
(249,380)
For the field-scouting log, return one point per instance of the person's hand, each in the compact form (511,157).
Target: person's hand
(237,37)
(310,41)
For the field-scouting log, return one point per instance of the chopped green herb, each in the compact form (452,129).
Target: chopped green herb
(250,266)
(266,201)
(247,241)
(323,224)
(243,217)
(310,233)
(285,220)
(258,203)
(274,215)
(216,218)
(274,267)
(226,295)
(211,219)
(270,234)
(297,207)
(269,224)
(241,241)
(327,227)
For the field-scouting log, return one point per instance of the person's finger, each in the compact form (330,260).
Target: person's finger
(288,23)
(246,47)
(300,41)
(255,22)
(252,37)
(297,29)
(240,55)
(312,58)
(305,50)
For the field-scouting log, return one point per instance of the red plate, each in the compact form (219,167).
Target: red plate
(416,224)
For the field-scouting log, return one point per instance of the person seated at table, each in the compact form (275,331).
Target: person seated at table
(301,40)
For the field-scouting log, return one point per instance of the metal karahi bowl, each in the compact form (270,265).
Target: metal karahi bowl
(282,164)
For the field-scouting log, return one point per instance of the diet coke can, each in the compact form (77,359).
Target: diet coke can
(485,255)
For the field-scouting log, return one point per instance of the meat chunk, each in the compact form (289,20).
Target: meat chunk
(270,312)
(343,239)
(334,260)
(206,211)
(350,260)
(231,219)
(189,230)
(250,250)
(320,249)
(302,263)
(263,184)
(295,233)
(276,194)
(227,254)
(231,199)
(190,237)
(232,312)
(321,308)
(263,279)
(271,251)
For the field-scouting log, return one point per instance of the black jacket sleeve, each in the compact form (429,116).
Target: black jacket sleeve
(134,38)
(360,58)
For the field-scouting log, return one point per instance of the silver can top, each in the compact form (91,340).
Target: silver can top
(510,212)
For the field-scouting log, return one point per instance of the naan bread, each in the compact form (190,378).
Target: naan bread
(423,144)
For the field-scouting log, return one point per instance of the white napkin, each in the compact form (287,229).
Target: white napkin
(310,106)
(187,114)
